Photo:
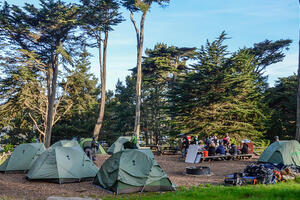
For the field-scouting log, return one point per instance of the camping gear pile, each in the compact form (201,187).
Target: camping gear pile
(279,162)
(126,171)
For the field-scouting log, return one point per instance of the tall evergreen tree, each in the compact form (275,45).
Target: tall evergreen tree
(99,17)
(142,6)
(282,101)
(161,66)
(219,94)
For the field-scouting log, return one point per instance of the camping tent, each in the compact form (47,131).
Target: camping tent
(63,164)
(120,144)
(132,170)
(65,143)
(22,157)
(285,152)
(87,143)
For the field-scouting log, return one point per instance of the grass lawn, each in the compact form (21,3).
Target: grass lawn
(288,190)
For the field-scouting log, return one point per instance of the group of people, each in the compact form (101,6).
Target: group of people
(214,146)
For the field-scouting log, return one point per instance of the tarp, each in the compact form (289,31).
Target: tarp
(118,145)
(22,157)
(63,164)
(286,152)
(132,170)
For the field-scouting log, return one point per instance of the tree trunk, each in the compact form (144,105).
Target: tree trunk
(99,123)
(298,97)
(140,41)
(51,87)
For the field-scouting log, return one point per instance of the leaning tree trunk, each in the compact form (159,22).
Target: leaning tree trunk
(298,97)
(140,41)
(99,123)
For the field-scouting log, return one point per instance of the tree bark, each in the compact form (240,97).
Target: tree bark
(99,123)
(51,87)
(140,41)
(298,97)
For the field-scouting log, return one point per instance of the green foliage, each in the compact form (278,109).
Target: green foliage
(281,100)
(219,94)
(160,66)
(142,5)
(99,16)
(120,111)
(81,94)
(263,143)
(8,148)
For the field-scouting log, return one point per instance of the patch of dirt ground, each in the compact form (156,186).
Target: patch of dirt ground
(15,186)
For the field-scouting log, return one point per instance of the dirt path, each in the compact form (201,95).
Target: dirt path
(16,186)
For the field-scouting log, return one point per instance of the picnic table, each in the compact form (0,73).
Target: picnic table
(163,150)
(227,157)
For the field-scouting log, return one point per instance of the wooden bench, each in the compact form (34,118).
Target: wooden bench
(227,157)
(243,156)
(169,150)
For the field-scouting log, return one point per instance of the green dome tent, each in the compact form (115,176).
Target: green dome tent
(65,143)
(120,144)
(22,157)
(285,152)
(63,164)
(132,170)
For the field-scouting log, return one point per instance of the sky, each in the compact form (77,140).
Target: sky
(189,23)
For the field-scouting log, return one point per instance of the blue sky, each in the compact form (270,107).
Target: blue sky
(190,23)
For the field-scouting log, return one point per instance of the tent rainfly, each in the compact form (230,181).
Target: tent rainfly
(65,143)
(286,152)
(22,157)
(120,144)
(63,164)
(132,170)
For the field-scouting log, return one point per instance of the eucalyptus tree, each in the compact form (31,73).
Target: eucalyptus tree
(41,37)
(142,6)
(98,18)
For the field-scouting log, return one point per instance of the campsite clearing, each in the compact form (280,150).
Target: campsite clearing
(15,186)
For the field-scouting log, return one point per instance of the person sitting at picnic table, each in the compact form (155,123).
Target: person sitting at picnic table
(245,148)
(207,141)
(212,149)
(226,140)
(215,140)
(220,149)
(233,150)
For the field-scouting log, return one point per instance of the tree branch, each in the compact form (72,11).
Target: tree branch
(135,27)
(35,123)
